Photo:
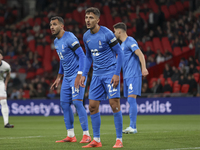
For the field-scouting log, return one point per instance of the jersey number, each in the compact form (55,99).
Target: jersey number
(95,52)
(110,88)
(60,55)
(75,90)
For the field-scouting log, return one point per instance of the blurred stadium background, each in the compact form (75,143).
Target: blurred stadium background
(167,32)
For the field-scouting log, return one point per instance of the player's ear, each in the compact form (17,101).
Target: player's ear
(98,20)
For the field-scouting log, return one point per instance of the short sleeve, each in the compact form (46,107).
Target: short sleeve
(110,37)
(73,42)
(133,45)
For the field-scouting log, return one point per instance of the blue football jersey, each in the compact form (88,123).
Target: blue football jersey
(98,46)
(65,47)
(131,64)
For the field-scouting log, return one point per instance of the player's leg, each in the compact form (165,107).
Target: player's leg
(114,100)
(5,112)
(4,106)
(134,89)
(77,96)
(96,92)
(118,120)
(65,102)
(96,123)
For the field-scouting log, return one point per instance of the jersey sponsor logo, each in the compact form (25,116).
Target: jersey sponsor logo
(133,45)
(88,41)
(113,94)
(76,42)
(114,39)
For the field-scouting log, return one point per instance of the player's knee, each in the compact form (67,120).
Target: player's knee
(4,103)
(93,109)
(115,107)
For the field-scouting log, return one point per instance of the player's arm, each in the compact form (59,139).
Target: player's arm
(139,53)
(88,63)
(79,51)
(7,78)
(117,48)
(59,76)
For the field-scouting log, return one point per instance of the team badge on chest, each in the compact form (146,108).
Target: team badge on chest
(100,45)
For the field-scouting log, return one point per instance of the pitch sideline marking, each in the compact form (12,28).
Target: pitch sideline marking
(21,137)
(183,148)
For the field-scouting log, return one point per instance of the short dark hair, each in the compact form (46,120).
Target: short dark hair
(93,10)
(60,19)
(1,52)
(120,25)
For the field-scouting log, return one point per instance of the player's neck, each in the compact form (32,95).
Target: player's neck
(60,34)
(95,29)
(123,37)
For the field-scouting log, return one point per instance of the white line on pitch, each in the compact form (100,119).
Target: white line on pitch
(183,148)
(25,137)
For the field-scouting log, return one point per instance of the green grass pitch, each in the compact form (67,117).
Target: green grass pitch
(159,132)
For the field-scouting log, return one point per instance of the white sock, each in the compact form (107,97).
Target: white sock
(4,110)
(86,133)
(70,132)
(119,139)
(97,139)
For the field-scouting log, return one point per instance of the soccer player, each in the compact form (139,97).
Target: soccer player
(132,74)
(101,48)
(4,68)
(72,60)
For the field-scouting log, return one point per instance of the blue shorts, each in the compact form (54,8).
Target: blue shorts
(69,92)
(101,89)
(132,86)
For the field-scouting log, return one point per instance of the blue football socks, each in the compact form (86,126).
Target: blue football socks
(68,115)
(132,112)
(82,114)
(118,123)
(96,123)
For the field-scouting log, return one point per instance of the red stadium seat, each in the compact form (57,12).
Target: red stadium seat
(22,70)
(40,50)
(169,80)
(161,76)
(129,32)
(198,68)
(162,81)
(179,6)
(26,94)
(196,77)
(76,16)
(39,71)
(31,22)
(31,45)
(38,20)
(48,38)
(185,88)
(185,49)
(132,16)
(166,44)
(151,81)
(143,16)
(176,88)
(2,20)
(172,10)
(102,20)
(149,44)
(167,92)
(157,45)
(30,75)
(165,10)
(186,5)
(117,20)
(177,51)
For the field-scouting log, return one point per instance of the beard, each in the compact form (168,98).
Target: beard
(56,33)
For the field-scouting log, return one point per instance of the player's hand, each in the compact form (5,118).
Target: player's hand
(115,80)
(77,81)
(82,81)
(55,84)
(145,72)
